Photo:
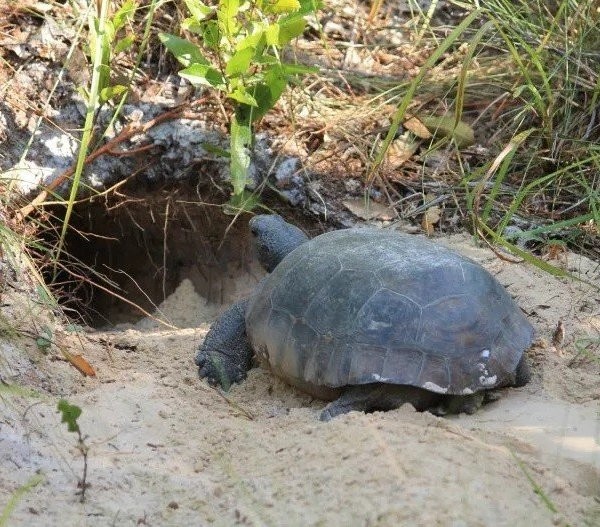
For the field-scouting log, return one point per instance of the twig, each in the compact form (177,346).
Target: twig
(496,251)
(84,449)
(165,250)
(234,404)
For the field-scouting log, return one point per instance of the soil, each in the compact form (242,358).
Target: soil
(167,449)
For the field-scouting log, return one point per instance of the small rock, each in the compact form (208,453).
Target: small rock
(286,171)
(294,197)
(352,185)
(375,194)
(332,27)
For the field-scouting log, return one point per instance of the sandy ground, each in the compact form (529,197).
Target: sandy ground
(166,449)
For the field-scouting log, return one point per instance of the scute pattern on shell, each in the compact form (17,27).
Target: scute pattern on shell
(360,306)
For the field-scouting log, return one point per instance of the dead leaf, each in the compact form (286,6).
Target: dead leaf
(444,126)
(369,210)
(400,151)
(558,336)
(430,218)
(78,68)
(385,58)
(415,126)
(80,364)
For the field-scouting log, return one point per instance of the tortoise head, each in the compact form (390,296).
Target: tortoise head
(274,239)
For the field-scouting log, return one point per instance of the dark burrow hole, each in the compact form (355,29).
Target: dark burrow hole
(144,246)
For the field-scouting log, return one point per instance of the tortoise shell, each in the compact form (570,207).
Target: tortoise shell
(362,306)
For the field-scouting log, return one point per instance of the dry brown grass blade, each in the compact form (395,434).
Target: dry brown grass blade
(374,11)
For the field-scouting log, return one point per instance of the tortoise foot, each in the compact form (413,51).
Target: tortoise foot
(218,369)
(225,355)
(460,404)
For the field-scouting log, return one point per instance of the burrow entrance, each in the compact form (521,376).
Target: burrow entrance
(142,246)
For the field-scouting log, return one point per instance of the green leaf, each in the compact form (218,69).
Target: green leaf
(227,13)
(104,77)
(183,50)
(446,126)
(43,343)
(253,40)
(266,59)
(276,79)
(16,497)
(45,297)
(244,202)
(298,69)
(17,391)
(202,74)
(199,10)
(239,63)
(74,328)
(285,6)
(193,26)
(309,6)
(109,32)
(124,14)
(211,35)
(241,95)
(290,27)
(112,92)
(264,100)
(241,137)
(266,93)
(124,44)
(272,34)
(44,339)
(70,414)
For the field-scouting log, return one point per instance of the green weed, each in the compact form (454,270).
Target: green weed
(239,56)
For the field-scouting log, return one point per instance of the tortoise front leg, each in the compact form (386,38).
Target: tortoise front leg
(225,356)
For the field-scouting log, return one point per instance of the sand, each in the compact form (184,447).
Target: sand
(166,449)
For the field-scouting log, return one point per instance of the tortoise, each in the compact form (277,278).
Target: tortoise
(370,319)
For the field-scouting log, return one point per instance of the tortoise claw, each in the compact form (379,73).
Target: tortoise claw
(218,369)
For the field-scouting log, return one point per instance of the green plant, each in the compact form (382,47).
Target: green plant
(108,36)
(588,349)
(531,67)
(34,481)
(409,94)
(70,414)
(554,90)
(111,36)
(240,56)
(535,486)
